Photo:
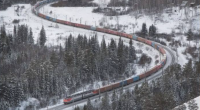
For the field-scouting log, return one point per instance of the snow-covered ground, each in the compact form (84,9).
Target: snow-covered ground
(56,36)
(165,22)
(197,101)
(84,15)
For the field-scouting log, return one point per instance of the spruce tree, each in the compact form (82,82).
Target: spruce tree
(30,37)
(190,35)
(152,30)
(42,38)
(132,55)
(144,29)
(114,100)
(105,102)
(89,105)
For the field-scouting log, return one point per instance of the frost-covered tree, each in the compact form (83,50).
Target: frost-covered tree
(42,38)
(30,37)
(105,102)
(89,105)
(144,29)
(189,35)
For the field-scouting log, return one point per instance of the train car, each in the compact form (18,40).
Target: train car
(116,85)
(78,96)
(101,30)
(142,76)
(112,32)
(41,15)
(148,42)
(123,83)
(157,47)
(141,39)
(82,26)
(125,35)
(47,17)
(93,28)
(60,21)
(67,100)
(130,81)
(136,78)
(135,37)
(162,51)
(106,88)
(163,62)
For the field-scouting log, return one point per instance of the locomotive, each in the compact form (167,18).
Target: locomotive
(86,94)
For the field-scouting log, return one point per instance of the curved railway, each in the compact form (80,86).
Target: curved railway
(149,75)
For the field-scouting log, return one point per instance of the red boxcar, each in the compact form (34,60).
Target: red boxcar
(41,15)
(141,39)
(143,75)
(148,42)
(162,51)
(60,21)
(130,81)
(100,29)
(68,23)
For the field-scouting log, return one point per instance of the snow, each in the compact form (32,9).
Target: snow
(60,102)
(165,23)
(101,3)
(56,36)
(30,101)
(197,100)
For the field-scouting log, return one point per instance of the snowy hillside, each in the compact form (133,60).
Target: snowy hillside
(165,22)
(194,105)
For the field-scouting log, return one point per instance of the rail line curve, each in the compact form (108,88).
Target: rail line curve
(151,74)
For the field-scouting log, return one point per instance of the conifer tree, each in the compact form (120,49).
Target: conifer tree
(144,29)
(30,37)
(42,38)
(189,35)
(105,102)
(89,105)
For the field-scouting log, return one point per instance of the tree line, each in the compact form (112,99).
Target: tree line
(150,5)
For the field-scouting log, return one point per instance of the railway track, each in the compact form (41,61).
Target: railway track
(170,61)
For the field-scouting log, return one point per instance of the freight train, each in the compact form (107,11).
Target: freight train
(86,94)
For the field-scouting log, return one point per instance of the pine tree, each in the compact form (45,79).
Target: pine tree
(132,55)
(42,37)
(30,37)
(89,105)
(105,102)
(114,100)
(54,59)
(189,35)
(85,107)
(152,30)
(14,33)
(144,29)
(3,38)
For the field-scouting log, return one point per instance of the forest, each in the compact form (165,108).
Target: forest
(31,69)
(177,86)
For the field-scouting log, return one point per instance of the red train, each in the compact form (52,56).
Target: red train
(90,93)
